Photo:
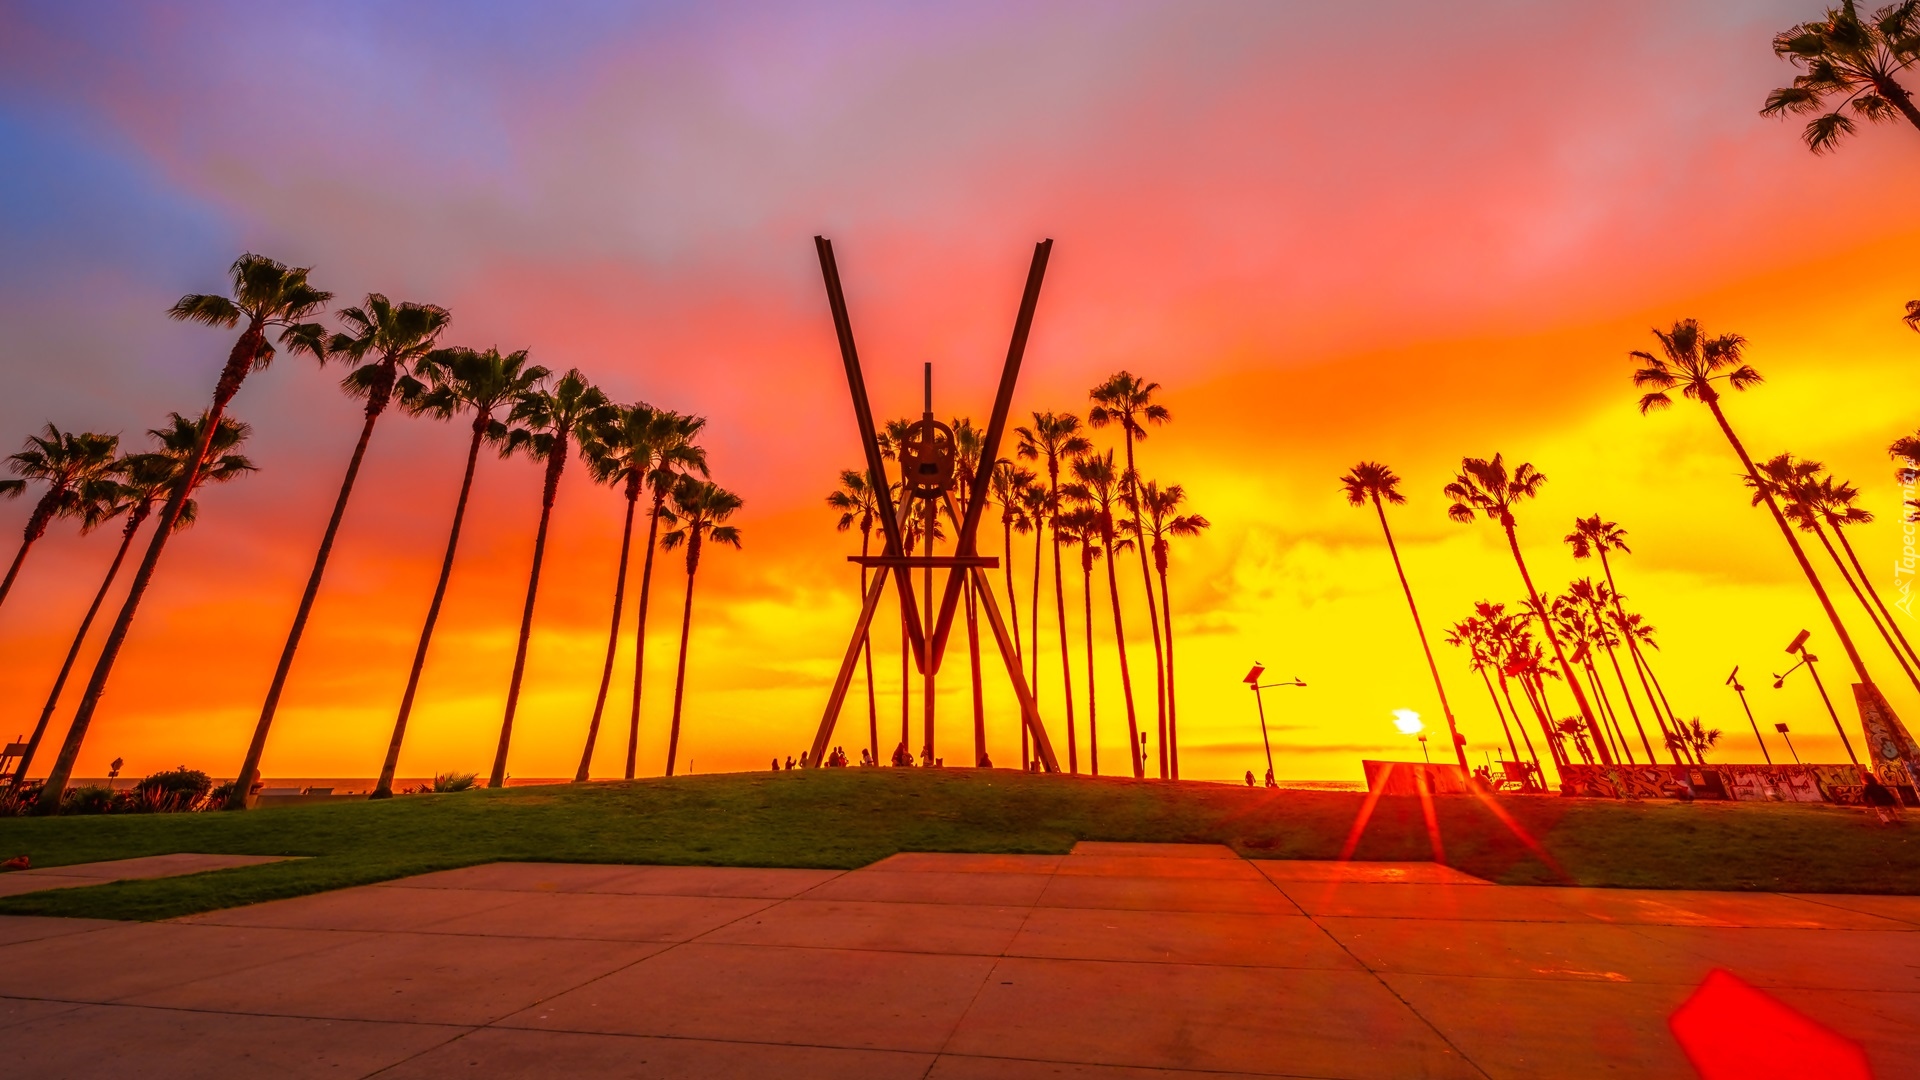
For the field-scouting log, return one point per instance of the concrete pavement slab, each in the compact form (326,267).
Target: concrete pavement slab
(1903,908)
(20,1010)
(1887,1024)
(1818,959)
(519,1054)
(1179,937)
(1180,1016)
(935,887)
(604,916)
(1156,866)
(1418,901)
(118,1040)
(14,928)
(152,866)
(411,978)
(1166,894)
(1379,873)
(978,930)
(963,863)
(1164,851)
(763,993)
(129,959)
(531,877)
(742,881)
(1517,950)
(370,907)
(1572,1028)
(956,1067)
(16,884)
(1690,908)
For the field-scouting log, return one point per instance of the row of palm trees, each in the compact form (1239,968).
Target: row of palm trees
(394,356)
(1075,496)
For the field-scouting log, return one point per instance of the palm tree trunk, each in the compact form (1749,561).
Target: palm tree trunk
(1679,725)
(1559,654)
(1621,747)
(1066,669)
(1862,598)
(1173,712)
(1537,697)
(640,630)
(384,788)
(250,765)
(866,650)
(680,675)
(239,362)
(1512,747)
(1126,680)
(1033,615)
(1793,542)
(1640,669)
(1093,723)
(613,641)
(1613,657)
(1013,620)
(1153,616)
(979,691)
(1507,692)
(1841,534)
(555,462)
(1453,729)
(73,651)
(13,568)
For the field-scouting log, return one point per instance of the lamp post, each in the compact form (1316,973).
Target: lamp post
(1782,729)
(1253,681)
(1733,680)
(1799,645)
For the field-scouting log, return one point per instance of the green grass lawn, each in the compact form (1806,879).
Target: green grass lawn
(844,818)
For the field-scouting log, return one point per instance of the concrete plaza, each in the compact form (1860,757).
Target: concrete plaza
(1117,961)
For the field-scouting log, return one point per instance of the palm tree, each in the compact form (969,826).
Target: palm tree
(1693,362)
(1079,526)
(1912,317)
(1578,627)
(1698,738)
(141,482)
(1850,63)
(385,341)
(1472,634)
(1592,537)
(75,470)
(700,510)
(1055,438)
(860,508)
(1598,601)
(1636,629)
(1486,487)
(1372,482)
(968,444)
(1164,522)
(548,421)
(1796,483)
(1096,487)
(1834,502)
(1571,727)
(1010,484)
(1127,400)
(459,380)
(665,451)
(267,296)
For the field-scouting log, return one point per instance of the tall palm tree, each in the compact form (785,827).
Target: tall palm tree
(140,482)
(1636,629)
(1127,400)
(1488,489)
(1472,634)
(1693,362)
(1096,487)
(75,469)
(1164,521)
(459,381)
(384,341)
(1578,628)
(1055,438)
(665,451)
(1598,601)
(546,423)
(860,508)
(1699,738)
(699,513)
(968,444)
(1373,483)
(1010,484)
(267,296)
(1850,64)
(1593,537)
(1835,503)
(1079,526)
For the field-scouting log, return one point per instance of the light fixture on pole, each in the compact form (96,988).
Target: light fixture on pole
(1799,645)
(1733,680)
(1782,729)
(1408,722)
(1253,681)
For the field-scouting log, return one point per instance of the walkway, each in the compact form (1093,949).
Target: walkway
(1176,961)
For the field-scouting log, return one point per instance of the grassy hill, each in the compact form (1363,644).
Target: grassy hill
(845,818)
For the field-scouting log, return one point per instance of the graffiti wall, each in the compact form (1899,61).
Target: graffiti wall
(1757,783)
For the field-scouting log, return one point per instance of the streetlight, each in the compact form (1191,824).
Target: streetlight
(1253,680)
(1807,659)
(1782,729)
(1733,680)
(1407,722)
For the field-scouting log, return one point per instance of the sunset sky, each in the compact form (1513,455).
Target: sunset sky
(1405,232)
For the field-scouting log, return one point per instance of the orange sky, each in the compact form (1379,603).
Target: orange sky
(1450,257)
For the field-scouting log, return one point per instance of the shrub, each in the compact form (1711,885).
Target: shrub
(172,791)
(454,781)
(86,800)
(217,798)
(16,801)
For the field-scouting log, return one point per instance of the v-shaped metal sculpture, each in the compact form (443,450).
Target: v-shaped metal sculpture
(928,641)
